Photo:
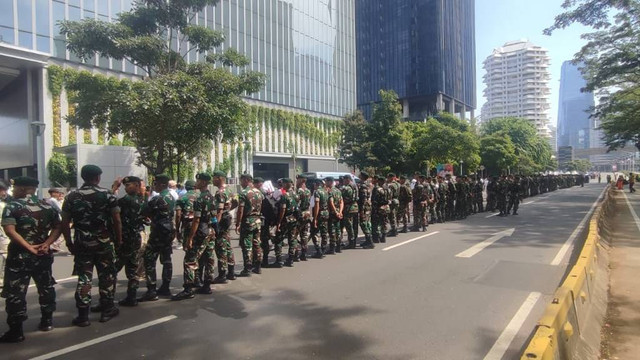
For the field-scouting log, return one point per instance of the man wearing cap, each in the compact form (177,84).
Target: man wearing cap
(364,209)
(132,223)
(286,225)
(451,199)
(184,219)
(418,205)
(336,206)
(393,187)
(200,234)
(32,226)
(225,202)
(443,198)
(161,211)
(248,224)
(379,217)
(321,218)
(404,199)
(304,218)
(97,227)
(351,209)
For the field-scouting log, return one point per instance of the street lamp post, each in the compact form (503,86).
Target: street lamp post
(38,128)
(461,163)
(246,144)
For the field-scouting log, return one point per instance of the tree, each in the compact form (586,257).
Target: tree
(498,153)
(386,134)
(177,108)
(62,170)
(354,147)
(579,165)
(610,63)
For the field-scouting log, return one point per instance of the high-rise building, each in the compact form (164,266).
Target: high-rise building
(517,84)
(574,109)
(306,48)
(424,50)
(553,138)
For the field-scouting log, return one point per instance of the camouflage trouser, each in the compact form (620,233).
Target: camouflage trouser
(441,210)
(335,233)
(265,238)
(479,202)
(302,231)
(250,244)
(16,282)
(323,230)
(153,250)
(393,215)
(461,208)
(419,215)
(224,250)
(502,204)
(379,221)
(129,258)
(143,245)
(432,212)
(491,202)
(104,260)
(403,214)
(192,261)
(514,203)
(350,223)
(451,209)
(365,222)
(288,231)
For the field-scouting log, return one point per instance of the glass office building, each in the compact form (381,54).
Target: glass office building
(424,50)
(305,47)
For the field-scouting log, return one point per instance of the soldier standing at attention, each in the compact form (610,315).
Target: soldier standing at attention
(304,220)
(225,202)
(321,217)
(336,206)
(200,234)
(160,210)
(364,206)
(394,190)
(248,223)
(286,226)
(350,212)
(515,191)
(443,197)
(418,193)
(379,217)
(184,219)
(477,190)
(130,213)
(32,226)
(91,208)
(404,199)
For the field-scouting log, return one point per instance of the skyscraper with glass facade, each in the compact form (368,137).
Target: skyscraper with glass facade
(424,50)
(305,47)
(574,109)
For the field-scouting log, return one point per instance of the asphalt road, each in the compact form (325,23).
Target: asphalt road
(462,292)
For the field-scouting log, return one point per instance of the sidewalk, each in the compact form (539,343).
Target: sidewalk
(621,334)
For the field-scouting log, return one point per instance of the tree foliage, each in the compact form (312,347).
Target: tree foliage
(178,107)
(579,165)
(498,153)
(62,171)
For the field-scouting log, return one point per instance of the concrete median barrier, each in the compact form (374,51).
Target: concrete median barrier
(570,326)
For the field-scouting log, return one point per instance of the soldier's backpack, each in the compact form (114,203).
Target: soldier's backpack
(270,210)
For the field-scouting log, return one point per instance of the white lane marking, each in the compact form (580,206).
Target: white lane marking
(410,241)
(104,338)
(60,281)
(492,215)
(481,246)
(567,244)
(509,333)
(632,210)
(528,202)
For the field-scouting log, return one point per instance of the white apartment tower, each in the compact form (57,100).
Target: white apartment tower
(517,84)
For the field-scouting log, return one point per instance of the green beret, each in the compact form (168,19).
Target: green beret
(25,181)
(162,178)
(391,174)
(246,176)
(348,177)
(189,184)
(287,181)
(90,171)
(258,179)
(129,179)
(364,174)
(403,176)
(204,176)
(380,177)
(220,174)
(329,178)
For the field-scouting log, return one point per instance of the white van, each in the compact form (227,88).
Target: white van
(325,174)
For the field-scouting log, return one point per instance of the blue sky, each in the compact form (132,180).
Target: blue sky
(499,21)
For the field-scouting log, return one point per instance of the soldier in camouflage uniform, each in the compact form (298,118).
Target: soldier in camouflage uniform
(304,220)
(433,200)
(393,187)
(91,208)
(225,202)
(184,219)
(195,245)
(364,206)
(501,195)
(248,223)
(461,198)
(451,199)
(287,221)
(161,211)
(350,211)
(443,197)
(419,220)
(321,218)
(478,198)
(404,199)
(32,227)
(336,206)
(515,192)
(380,200)
(130,213)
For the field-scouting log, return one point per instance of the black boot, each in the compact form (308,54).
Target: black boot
(130,300)
(109,314)
(246,272)
(96,308)
(339,247)
(205,289)
(289,262)
(14,335)
(185,294)
(150,295)
(332,249)
(82,320)
(222,275)
(296,258)
(352,245)
(318,253)
(46,321)
(383,238)
(278,263)
(164,290)
(257,269)
(231,273)
(265,261)
(303,255)
(404,230)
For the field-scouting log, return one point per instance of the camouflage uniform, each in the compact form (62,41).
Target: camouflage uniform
(90,208)
(404,199)
(304,221)
(161,211)
(441,206)
(335,231)
(515,191)
(203,209)
(250,200)
(289,203)
(128,253)
(33,220)
(364,206)
(322,199)
(394,190)
(350,213)
(419,206)
(380,213)
(185,205)
(451,199)
(223,248)
(4,240)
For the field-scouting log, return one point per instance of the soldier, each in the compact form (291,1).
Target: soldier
(441,207)
(184,219)
(286,226)
(404,199)
(32,226)
(418,211)
(364,208)
(132,223)
(460,198)
(195,245)
(304,218)
(321,218)
(336,206)
(248,224)
(394,190)
(515,191)
(451,199)
(91,208)
(433,200)
(161,211)
(501,195)
(380,213)
(224,203)
(477,196)
(351,209)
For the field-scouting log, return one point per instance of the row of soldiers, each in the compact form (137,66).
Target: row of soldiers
(107,230)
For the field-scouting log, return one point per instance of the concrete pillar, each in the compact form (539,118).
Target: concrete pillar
(405,108)
(439,103)
(463,112)
(452,107)
(472,117)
